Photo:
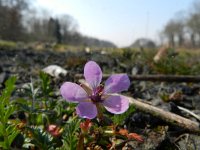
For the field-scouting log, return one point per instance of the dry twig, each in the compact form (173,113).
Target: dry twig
(166,116)
(189,112)
(166,78)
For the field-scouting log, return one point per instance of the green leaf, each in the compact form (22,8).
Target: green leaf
(8,129)
(45,83)
(10,86)
(42,119)
(70,139)
(12,136)
(1,129)
(119,119)
(40,138)
(6,93)
(8,111)
(3,145)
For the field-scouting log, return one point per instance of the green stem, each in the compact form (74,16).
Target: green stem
(99,112)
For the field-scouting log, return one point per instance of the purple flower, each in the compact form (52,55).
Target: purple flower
(90,96)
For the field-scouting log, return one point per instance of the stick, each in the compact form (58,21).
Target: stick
(166,116)
(189,112)
(167,78)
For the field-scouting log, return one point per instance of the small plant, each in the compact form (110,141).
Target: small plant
(118,119)
(8,127)
(42,121)
(7,45)
(91,96)
(46,90)
(70,134)
(38,138)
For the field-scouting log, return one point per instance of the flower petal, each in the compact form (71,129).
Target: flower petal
(117,83)
(116,104)
(86,110)
(73,92)
(92,74)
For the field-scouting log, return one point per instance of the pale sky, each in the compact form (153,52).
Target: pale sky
(118,21)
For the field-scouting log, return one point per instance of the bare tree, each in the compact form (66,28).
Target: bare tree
(68,28)
(193,24)
(10,24)
(170,33)
(54,30)
(11,27)
(194,27)
(174,29)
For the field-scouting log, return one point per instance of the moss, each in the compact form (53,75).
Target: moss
(7,45)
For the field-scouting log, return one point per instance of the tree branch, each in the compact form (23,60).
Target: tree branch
(167,78)
(169,117)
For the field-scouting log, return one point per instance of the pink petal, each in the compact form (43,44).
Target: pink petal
(116,104)
(92,74)
(86,110)
(117,83)
(73,92)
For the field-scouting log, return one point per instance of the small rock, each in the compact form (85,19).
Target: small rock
(188,141)
(174,108)
(3,77)
(134,71)
(55,71)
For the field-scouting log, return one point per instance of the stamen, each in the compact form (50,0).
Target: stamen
(87,100)
(99,89)
(86,88)
(97,93)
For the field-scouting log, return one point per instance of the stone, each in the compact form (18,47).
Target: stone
(55,71)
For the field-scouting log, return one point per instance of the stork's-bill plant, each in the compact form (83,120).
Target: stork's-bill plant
(93,95)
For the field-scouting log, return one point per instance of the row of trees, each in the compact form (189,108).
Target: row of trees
(184,29)
(19,22)
(11,27)
(52,29)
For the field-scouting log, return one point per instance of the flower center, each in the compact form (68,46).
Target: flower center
(97,93)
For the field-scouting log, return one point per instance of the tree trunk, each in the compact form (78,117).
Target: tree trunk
(192,40)
(171,40)
(181,40)
(199,40)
